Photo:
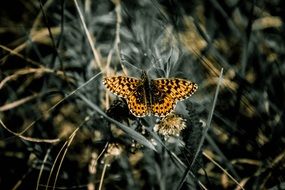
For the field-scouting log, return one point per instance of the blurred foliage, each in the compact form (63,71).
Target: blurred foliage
(54,133)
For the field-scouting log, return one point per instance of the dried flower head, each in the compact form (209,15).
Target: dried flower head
(171,125)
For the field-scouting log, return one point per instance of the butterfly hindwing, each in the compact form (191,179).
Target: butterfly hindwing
(164,108)
(178,89)
(121,85)
(161,102)
(137,102)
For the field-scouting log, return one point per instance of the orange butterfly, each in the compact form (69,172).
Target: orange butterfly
(144,97)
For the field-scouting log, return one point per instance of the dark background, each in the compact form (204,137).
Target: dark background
(45,56)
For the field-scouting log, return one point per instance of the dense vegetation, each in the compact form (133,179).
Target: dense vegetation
(61,128)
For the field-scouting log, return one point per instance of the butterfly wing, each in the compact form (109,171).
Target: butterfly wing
(178,89)
(162,107)
(137,102)
(121,86)
(166,93)
(132,90)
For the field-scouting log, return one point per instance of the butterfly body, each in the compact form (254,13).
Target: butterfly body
(146,97)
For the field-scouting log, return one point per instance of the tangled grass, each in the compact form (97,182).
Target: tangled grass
(61,129)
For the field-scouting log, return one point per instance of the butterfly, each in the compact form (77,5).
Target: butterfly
(145,97)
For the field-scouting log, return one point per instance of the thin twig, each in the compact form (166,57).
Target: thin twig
(66,146)
(64,153)
(219,166)
(29,138)
(204,131)
(60,101)
(17,103)
(91,43)
(53,166)
(13,52)
(102,176)
(42,168)
(208,124)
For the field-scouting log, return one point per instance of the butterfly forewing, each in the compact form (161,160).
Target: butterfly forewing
(121,85)
(178,89)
